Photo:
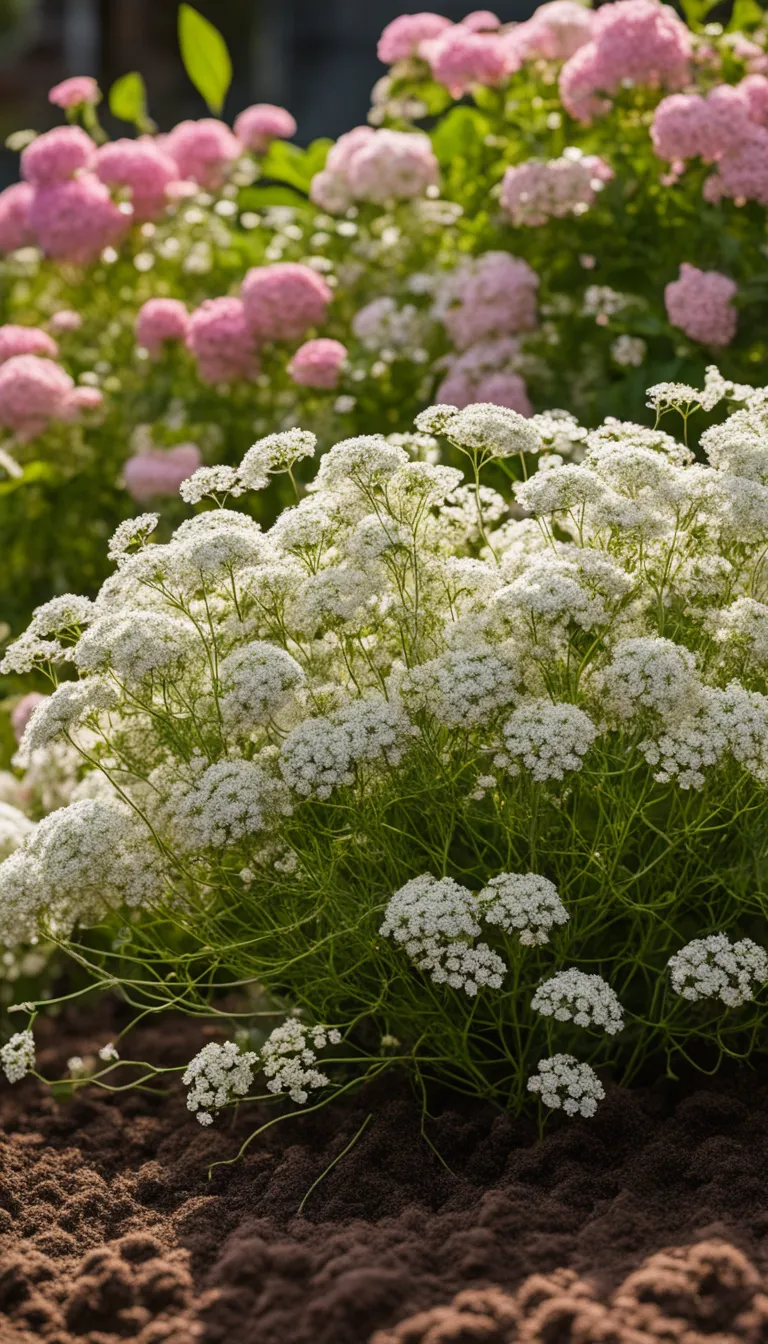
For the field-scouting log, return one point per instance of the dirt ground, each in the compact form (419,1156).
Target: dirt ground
(648,1222)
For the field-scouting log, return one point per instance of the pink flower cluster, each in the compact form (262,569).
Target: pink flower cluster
(202,151)
(34,390)
(635,41)
(160,471)
(728,127)
(159,321)
(219,337)
(318,363)
(491,295)
(700,303)
(262,123)
(533,192)
(74,92)
(283,300)
(374,165)
(460,57)
(554,32)
(485,373)
(16,340)
(142,167)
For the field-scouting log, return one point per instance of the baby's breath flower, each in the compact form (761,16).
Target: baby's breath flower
(288,1059)
(492,431)
(563,1083)
(133,532)
(574,996)
(547,739)
(715,968)
(218,1075)
(18,1056)
(524,904)
(209,483)
(462,689)
(70,703)
(275,453)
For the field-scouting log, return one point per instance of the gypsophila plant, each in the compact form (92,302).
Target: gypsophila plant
(478,777)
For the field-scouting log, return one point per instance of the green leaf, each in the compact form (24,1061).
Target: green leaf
(460,134)
(747,14)
(696,11)
(128,99)
(287,163)
(205,56)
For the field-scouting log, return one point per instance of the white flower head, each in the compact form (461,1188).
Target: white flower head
(275,453)
(17,1056)
(492,431)
(547,739)
(209,483)
(524,904)
(564,1083)
(134,532)
(716,968)
(218,1074)
(575,996)
(288,1059)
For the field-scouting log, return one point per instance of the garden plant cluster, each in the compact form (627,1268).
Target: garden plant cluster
(433,726)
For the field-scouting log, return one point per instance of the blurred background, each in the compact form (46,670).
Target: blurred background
(316,57)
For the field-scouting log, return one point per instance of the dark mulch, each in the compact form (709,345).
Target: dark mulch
(110,1228)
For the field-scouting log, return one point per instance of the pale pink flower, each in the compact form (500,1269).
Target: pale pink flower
(74,221)
(14,217)
(533,192)
(84,399)
(142,167)
(554,32)
(159,321)
(375,165)
(505,389)
(402,38)
(700,303)
(222,342)
(66,320)
(56,156)
(459,58)
(74,92)
(481,21)
(755,89)
(284,300)
(640,41)
(318,363)
(23,710)
(329,192)
(160,471)
(257,126)
(25,341)
(492,295)
(487,367)
(743,174)
(203,151)
(32,392)
(681,128)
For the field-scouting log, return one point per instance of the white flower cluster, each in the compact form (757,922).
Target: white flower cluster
(464,688)
(575,996)
(216,1076)
(256,681)
(288,1060)
(548,739)
(134,647)
(17,1056)
(134,532)
(434,918)
(323,754)
(716,968)
(650,674)
(70,704)
(563,1083)
(525,904)
(14,828)
(228,802)
(490,431)
(743,628)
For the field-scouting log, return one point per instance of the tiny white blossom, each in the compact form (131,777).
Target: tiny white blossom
(133,532)
(564,1083)
(548,739)
(217,1075)
(288,1060)
(525,904)
(715,968)
(17,1056)
(575,996)
(209,482)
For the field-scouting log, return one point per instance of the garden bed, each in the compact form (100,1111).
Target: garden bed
(112,1229)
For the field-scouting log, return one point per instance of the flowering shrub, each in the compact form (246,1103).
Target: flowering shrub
(474,772)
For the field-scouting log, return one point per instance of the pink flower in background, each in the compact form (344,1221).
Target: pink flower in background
(23,710)
(505,389)
(492,295)
(25,341)
(283,300)
(639,41)
(160,471)
(402,38)
(681,128)
(318,363)
(700,303)
(56,156)
(74,92)
(485,372)
(459,58)
(14,217)
(74,221)
(32,392)
(755,89)
(159,321)
(375,165)
(203,151)
(554,32)
(533,192)
(481,21)
(743,174)
(141,166)
(222,342)
(257,126)
(66,320)
(84,399)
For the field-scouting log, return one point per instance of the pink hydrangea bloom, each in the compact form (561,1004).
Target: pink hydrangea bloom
(554,32)
(25,341)
(487,367)
(203,150)
(492,295)
(681,129)
(533,192)
(14,217)
(161,320)
(141,166)
(743,173)
(318,363)
(755,89)
(56,156)
(32,392)
(160,471)
(700,303)
(74,221)
(481,21)
(283,300)
(257,126)
(505,389)
(23,710)
(84,399)
(402,38)
(222,342)
(75,91)
(459,58)
(65,320)
(640,41)
(375,165)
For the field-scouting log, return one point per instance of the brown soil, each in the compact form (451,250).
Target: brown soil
(110,1228)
